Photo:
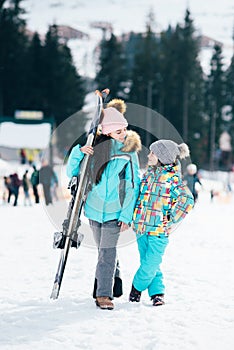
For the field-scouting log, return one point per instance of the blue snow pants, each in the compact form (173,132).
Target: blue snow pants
(149,275)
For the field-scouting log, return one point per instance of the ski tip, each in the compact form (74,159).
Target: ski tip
(54,296)
(55,291)
(106,91)
(97,92)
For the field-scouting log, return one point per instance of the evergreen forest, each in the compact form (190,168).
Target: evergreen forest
(161,71)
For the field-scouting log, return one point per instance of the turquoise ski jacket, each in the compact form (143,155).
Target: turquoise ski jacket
(103,201)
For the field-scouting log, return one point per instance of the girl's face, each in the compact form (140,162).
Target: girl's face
(119,135)
(152,159)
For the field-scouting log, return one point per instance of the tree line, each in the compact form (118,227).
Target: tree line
(164,73)
(36,74)
(160,71)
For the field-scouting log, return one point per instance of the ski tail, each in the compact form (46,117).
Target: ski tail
(72,222)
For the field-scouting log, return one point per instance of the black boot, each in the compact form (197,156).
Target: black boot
(117,288)
(135,295)
(95,288)
(158,299)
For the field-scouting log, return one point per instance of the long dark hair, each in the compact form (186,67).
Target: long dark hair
(101,157)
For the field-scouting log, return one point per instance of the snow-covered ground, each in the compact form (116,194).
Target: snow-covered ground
(199,276)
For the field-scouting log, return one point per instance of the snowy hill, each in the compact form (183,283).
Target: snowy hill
(199,277)
(212,18)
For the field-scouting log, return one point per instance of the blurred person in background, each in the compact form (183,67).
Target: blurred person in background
(15,184)
(23,157)
(6,189)
(46,174)
(191,179)
(35,183)
(26,185)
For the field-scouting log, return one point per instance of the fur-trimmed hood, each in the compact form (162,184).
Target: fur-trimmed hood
(132,142)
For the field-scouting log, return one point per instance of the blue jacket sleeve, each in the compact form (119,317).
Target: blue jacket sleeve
(132,182)
(73,164)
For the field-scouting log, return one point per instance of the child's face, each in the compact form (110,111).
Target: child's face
(119,135)
(152,159)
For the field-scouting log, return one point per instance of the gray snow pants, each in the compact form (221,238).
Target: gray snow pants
(106,237)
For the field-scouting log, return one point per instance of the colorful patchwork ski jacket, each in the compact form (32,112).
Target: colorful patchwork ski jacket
(163,201)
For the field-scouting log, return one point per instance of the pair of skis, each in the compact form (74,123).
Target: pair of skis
(70,235)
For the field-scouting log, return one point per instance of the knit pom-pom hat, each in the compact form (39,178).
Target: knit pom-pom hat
(112,120)
(168,151)
(119,104)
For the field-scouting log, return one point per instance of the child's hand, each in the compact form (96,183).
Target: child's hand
(169,229)
(166,218)
(123,227)
(87,150)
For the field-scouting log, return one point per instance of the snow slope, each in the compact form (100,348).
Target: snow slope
(199,276)
(212,18)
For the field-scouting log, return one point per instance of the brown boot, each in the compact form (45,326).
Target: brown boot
(104,303)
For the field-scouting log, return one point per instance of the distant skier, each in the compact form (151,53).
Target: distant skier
(26,184)
(163,202)
(15,184)
(46,174)
(7,189)
(108,208)
(23,157)
(191,179)
(35,183)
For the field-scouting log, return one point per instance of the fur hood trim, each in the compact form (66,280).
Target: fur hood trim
(132,142)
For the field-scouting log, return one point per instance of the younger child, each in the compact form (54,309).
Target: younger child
(163,202)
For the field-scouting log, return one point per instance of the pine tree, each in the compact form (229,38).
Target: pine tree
(217,84)
(35,93)
(189,49)
(111,72)
(230,86)
(230,100)
(215,100)
(146,70)
(171,80)
(197,127)
(193,130)
(185,67)
(182,85)
(63,88)
(35,75)
(12,56)
(146,80)
(131,43)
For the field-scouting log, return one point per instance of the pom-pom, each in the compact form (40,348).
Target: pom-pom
(184,150)
(119,104)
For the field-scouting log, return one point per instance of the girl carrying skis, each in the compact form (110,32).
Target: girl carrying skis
(163,202)
(110,202)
